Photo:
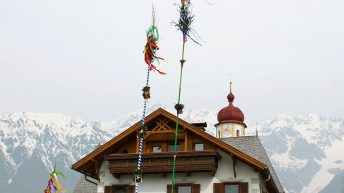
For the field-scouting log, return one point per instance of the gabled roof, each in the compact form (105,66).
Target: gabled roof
(99,152)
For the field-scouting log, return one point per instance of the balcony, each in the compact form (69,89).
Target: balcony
(187,162)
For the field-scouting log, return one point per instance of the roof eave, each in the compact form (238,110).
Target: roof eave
(77,165)
(231,121)
(267,175)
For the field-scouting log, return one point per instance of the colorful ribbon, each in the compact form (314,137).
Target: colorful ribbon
(54,185)
(151,46)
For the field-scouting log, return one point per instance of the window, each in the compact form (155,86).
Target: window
(120,189)
(156,148)
(185,188)
(231,187)
(237,133)
(171,146)
(198,146)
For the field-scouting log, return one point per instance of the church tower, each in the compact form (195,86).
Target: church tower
(231,120)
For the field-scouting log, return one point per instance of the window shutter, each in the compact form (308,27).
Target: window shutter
(244,187)
(131,189)
(217,188)
(107,189)
(169,188)
(196,188)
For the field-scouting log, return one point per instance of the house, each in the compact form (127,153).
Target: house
(228,163)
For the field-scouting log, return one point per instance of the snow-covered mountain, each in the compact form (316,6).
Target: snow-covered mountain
(306,150)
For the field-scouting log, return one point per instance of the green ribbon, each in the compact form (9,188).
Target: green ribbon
(57,172)
(154,32)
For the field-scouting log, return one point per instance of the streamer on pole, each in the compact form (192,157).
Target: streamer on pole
(151,46)
(184,25)
(149,57)
(185,20)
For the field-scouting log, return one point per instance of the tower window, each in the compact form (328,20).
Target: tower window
(237,133)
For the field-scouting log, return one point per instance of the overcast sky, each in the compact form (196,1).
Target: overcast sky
(84,57)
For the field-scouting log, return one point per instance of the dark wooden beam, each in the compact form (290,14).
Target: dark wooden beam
(186,141)
(137,144)
(234,163)
(97,166)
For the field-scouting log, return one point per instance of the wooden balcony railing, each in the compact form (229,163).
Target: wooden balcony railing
(196,161)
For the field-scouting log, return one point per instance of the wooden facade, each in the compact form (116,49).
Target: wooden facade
(194,154)
(161,131)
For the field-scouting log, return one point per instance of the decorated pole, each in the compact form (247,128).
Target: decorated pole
(184,25)
(54,185)
(149,57)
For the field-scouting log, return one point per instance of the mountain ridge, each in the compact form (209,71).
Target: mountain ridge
(39,140)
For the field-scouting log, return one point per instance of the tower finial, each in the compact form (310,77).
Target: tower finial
(230,82)
(230,96)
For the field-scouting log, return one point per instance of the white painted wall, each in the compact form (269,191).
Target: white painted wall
(156,183)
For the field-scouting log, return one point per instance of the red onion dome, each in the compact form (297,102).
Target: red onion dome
(230,113)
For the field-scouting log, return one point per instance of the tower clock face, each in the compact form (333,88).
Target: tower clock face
(227,131)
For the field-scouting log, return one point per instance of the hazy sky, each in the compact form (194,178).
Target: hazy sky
(84,58)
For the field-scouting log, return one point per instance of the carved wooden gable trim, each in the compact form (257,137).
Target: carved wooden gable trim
(162,126)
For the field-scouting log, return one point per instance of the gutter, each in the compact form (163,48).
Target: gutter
(90,181)
(86,175)
(267,173)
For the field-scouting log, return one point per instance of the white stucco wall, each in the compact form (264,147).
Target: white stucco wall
(156,183)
